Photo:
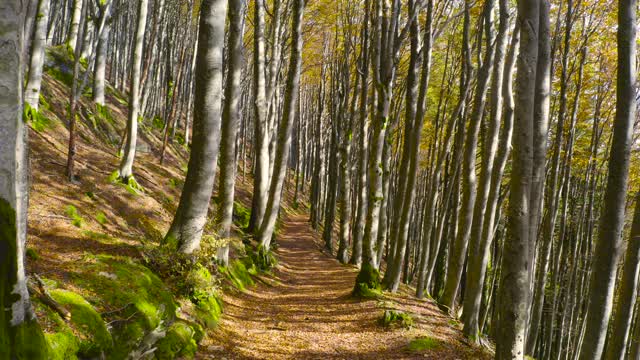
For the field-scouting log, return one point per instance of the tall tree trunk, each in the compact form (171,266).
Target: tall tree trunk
(38,44)
(358,228)
(479,247)
(20,334)
(126,165)
(72,36)
(514,278)
(101,58)
(458,254)
(284,133)
(621,325)
(191,216)
(607,251)
(230,122)
(261,134)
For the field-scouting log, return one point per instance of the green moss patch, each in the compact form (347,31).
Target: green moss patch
(92,331)
(137,301)
(396,319)
(238,274)
(180,342)
(424,343)
(367,283)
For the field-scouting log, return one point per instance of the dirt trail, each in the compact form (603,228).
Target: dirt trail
(304,311)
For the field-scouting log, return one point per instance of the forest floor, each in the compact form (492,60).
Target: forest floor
(89,238)
(304,310)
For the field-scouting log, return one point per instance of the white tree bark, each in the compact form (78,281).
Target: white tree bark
(34,81)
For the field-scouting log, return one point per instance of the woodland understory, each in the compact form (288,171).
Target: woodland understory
(318,179)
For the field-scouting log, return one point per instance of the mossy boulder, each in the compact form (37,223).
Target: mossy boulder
(204,295)
(367,283)
(137,301)
(179,342)
(94,338)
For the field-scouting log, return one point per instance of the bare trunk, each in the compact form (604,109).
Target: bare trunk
(191,216)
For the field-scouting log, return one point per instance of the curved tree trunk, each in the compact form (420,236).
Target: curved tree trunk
(191,216)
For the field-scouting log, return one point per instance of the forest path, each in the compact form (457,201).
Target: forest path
(304,311)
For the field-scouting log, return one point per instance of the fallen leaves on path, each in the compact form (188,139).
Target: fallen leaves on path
(305,311)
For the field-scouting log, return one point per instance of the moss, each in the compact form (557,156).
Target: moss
(178,343)
(139,301)
(263,259)
(392,319)
(101,218)
(424,343)
(62,345)
(95,339)
(100,237)
(241,215)
(76,219)
(367,283)
(38,121)
(209,310)
(26,340)
(238,274)
(203,294)
(32,254)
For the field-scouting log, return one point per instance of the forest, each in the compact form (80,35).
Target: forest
(319,179)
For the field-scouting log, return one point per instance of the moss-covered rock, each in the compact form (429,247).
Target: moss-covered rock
(139,301)
(203,294)
(367,283)
(179,342)
(238,273)
(62,345)
(94,338)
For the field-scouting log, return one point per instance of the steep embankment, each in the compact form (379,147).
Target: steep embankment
(94,243)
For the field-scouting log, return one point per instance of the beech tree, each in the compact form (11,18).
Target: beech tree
(20,333)
(608,244)
(191,216)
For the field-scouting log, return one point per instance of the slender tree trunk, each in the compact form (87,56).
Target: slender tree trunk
(261,134)
(126,165)
(469,191)
(516,261)
(479,249)
(20,334)
(75,24)
(191,216)
(101,60)
(38,44)
(621,325)
(286,124)
(608,245)
(230,122)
